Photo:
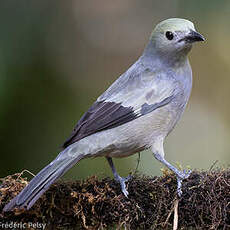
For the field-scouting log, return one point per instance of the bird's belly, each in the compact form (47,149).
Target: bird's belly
(131,137)
(141,133)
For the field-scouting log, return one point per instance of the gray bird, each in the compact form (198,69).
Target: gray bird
(135,113)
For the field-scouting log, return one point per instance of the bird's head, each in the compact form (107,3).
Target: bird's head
(174,36)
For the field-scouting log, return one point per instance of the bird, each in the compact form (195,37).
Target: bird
(137,112)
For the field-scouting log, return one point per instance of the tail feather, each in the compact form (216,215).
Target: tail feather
(41,182)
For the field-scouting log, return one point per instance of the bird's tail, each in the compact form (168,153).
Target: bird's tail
(41,182)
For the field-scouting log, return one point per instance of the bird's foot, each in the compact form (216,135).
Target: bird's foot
(180,177)
(122,182)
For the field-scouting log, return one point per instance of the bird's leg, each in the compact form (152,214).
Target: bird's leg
(179,174)
(138,162)
(118,178)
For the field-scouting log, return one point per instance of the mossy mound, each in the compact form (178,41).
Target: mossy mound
(99,204)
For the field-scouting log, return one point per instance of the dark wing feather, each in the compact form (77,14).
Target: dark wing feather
(102,115)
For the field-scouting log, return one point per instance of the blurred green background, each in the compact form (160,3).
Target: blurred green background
(57,57)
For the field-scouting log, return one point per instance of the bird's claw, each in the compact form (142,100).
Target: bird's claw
(180,177)
(128,178)
(187,173)
(122,182)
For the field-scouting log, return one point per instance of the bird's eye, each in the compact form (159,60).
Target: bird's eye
(169,35)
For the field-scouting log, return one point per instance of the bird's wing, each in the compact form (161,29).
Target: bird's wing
(134,94)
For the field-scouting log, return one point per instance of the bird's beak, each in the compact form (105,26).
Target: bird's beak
(193,36)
